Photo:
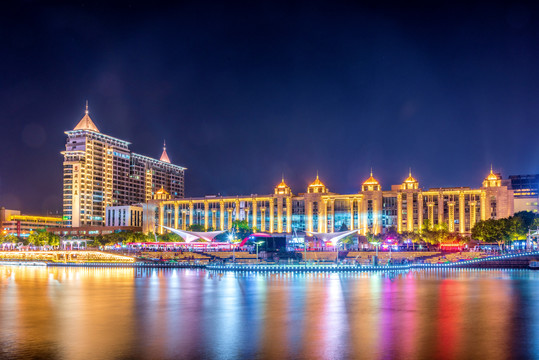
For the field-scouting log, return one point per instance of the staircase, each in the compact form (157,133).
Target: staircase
(210,255)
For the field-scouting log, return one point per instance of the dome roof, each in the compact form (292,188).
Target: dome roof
(492,179)
(371,181)
(410,178)
(162,191)
(492,176)
(317,182)
(282,188)
(282,185)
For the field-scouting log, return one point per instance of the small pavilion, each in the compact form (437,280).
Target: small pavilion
(333,238)
(190,236)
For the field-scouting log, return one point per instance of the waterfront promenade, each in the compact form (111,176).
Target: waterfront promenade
(242,261)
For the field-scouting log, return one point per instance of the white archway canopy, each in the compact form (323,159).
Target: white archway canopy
(190,236)
(331,237)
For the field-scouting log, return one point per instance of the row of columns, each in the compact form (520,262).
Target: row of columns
(326,214)
(430,212)
(263,210)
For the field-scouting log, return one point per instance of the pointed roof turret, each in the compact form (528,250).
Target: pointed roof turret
(282,184)
(86,123)
(317,181)
(162,194)
(371,184)
(317,186)
(492,179)
(162,191)
(410,183)
(371,180)
(492,176)
(164,155)
(410,178)
(282,188)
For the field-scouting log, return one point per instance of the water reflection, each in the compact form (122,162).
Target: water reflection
(72,313)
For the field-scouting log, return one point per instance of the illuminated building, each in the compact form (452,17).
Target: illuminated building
(13,223)
(526,190)
(127,215)
(100,171)
(405,207)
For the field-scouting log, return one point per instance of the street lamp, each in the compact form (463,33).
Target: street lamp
(376,245)
(257,243)
(231,239)
(295,236)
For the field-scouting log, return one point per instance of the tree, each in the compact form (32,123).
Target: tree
(196,228)
(437,234)
(53,240)
(528,219)
(10,238)
(242,229)
(491,230)
(442,233)
(503,231)
(123,237)
(373,238)
(38,237)
(97,241)
(348,240)
(535,224)
(393,234)
(42,237)
(426,225)
(170,237)
(516,228)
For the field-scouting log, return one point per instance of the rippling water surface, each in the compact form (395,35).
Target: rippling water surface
(74,313)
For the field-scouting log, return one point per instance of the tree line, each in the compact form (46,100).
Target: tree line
(500,231)
(506,230)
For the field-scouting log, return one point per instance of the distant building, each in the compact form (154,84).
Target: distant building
(526,191)
(12,222)
(128,215)
(100,171)
(406,207)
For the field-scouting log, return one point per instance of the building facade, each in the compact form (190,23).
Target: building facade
(406,207)
(526,192)
(127,215)
(12,222)
(100,171)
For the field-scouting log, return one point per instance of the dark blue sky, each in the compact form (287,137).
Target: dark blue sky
(245,92)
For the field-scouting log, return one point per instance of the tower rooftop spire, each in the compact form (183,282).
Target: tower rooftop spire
(86,122)
(410,182)
(164,155)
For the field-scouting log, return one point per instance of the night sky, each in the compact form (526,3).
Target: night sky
(243,93)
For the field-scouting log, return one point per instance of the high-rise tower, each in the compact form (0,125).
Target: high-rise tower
(101,171)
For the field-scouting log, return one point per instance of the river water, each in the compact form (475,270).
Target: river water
(84,313)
